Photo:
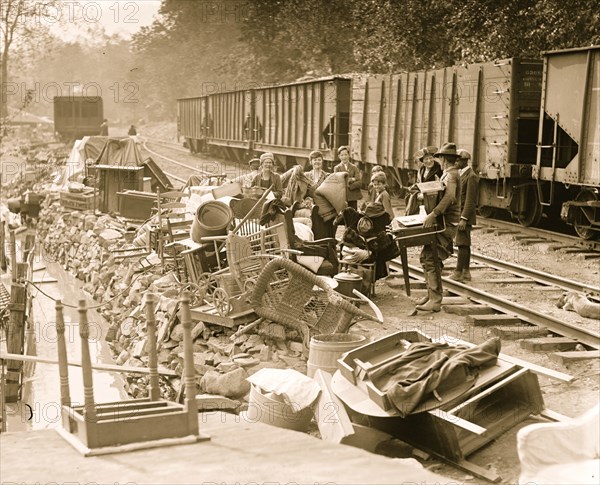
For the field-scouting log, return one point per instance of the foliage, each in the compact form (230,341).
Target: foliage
(195,48)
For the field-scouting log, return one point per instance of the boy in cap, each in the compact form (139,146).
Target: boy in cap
(246,180)
(469,194)
(447,208)
(353,193)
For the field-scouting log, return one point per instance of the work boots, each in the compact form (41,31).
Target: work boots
(457,276)
(434,286)
(462,273)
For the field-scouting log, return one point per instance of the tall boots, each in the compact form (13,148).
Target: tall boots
(434,289)
(466,269)
(462,272)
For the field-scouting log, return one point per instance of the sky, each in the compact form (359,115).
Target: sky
(70,19)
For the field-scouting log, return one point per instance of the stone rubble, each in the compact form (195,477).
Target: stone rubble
(84,244)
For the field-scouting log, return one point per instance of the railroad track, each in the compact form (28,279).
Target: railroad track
(495,310)
(533,235)
(207,168)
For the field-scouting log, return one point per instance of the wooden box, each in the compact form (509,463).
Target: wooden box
(463,421)
(79,201)
(134,204)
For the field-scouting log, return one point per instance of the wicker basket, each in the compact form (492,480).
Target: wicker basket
(289,294)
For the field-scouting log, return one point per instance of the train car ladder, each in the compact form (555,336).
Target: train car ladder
(540,147)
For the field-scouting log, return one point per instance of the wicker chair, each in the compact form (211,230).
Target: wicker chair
(289,294)
(248,255)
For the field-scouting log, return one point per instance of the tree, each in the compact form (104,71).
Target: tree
(20,24)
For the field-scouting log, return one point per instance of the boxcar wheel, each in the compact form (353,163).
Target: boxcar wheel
(533,209)
(585,214)
(487,211)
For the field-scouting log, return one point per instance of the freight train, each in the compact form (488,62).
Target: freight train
(77,116)
(531,125)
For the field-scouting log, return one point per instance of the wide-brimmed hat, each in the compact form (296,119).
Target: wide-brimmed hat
(447,150)
(463,154)
(430,150)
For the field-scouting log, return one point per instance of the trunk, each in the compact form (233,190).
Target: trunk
(4,85)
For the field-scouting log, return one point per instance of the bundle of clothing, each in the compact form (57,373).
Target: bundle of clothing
(369,230)
(428,370)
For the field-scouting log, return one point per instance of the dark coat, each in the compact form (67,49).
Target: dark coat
(449,204)
(353,192)
(469,195)
(436,171)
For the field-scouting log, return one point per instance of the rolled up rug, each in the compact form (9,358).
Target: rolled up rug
(333,190)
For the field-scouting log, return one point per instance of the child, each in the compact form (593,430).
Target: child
(370,193)
(379,183)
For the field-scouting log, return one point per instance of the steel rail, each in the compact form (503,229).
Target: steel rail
(195,169)
(538,276)
(587,337)
(542,233)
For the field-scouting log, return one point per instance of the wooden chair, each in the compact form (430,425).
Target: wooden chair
(99,428)
(168,206)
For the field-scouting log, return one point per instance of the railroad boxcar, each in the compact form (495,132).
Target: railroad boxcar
(192,122)
(567,169)
(490,109)
(530,125)
(77,116)
(289,120)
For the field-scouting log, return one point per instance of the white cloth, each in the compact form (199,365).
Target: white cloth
(296,389)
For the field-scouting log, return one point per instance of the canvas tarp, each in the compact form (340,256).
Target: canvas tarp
(119,153)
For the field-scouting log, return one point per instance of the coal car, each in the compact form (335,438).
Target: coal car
(530,124)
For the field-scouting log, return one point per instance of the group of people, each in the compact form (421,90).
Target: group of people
(132,131)
(452,208)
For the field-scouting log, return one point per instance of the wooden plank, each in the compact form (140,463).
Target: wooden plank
(549,343)
(489,390)
(100,367)
(455,300)
(459,422)
(537,369)
(519,332)
(574,356)
(331,416)
(554,416)
(490,320)
(468,309)
(508,281)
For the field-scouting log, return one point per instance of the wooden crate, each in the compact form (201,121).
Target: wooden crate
(79,201)
(464,421)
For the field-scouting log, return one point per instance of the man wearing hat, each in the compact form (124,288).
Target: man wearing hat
(469,194)
(246,180)
(448,209)
(353,193)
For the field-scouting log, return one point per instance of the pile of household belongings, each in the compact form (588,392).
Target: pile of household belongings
(410,375)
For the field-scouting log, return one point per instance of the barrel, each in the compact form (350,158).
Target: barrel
(212,219)
(325,350)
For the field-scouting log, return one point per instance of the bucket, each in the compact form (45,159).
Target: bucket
(348,282)
(325,350)
(212,219)
(276,413)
